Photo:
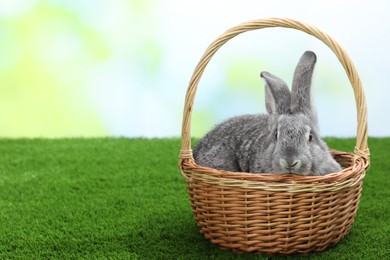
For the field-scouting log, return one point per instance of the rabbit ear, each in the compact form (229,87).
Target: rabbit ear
(277,94)
(301,85)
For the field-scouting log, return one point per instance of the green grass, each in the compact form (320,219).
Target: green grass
(124,198)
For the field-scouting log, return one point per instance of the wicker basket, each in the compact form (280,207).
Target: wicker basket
(269,213)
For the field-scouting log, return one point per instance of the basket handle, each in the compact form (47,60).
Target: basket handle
(361,148)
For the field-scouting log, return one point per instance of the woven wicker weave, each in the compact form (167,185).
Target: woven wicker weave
(272,213)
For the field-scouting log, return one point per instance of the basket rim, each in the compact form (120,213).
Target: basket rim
(356,167)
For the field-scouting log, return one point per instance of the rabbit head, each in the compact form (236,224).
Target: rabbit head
(294,141)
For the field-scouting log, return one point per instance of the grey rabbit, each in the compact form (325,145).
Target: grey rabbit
(286,140)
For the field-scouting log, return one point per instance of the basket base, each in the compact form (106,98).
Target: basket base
(274,221)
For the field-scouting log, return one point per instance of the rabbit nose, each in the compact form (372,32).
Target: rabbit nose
(289,165)
(294,163)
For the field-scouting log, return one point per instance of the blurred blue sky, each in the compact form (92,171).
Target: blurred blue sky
(121,68)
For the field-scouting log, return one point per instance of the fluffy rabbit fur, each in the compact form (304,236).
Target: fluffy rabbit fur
(286,140)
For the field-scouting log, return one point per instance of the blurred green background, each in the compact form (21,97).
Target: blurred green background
(121,68)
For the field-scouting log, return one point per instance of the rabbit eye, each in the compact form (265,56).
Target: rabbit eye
(310,137)
(276,135)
